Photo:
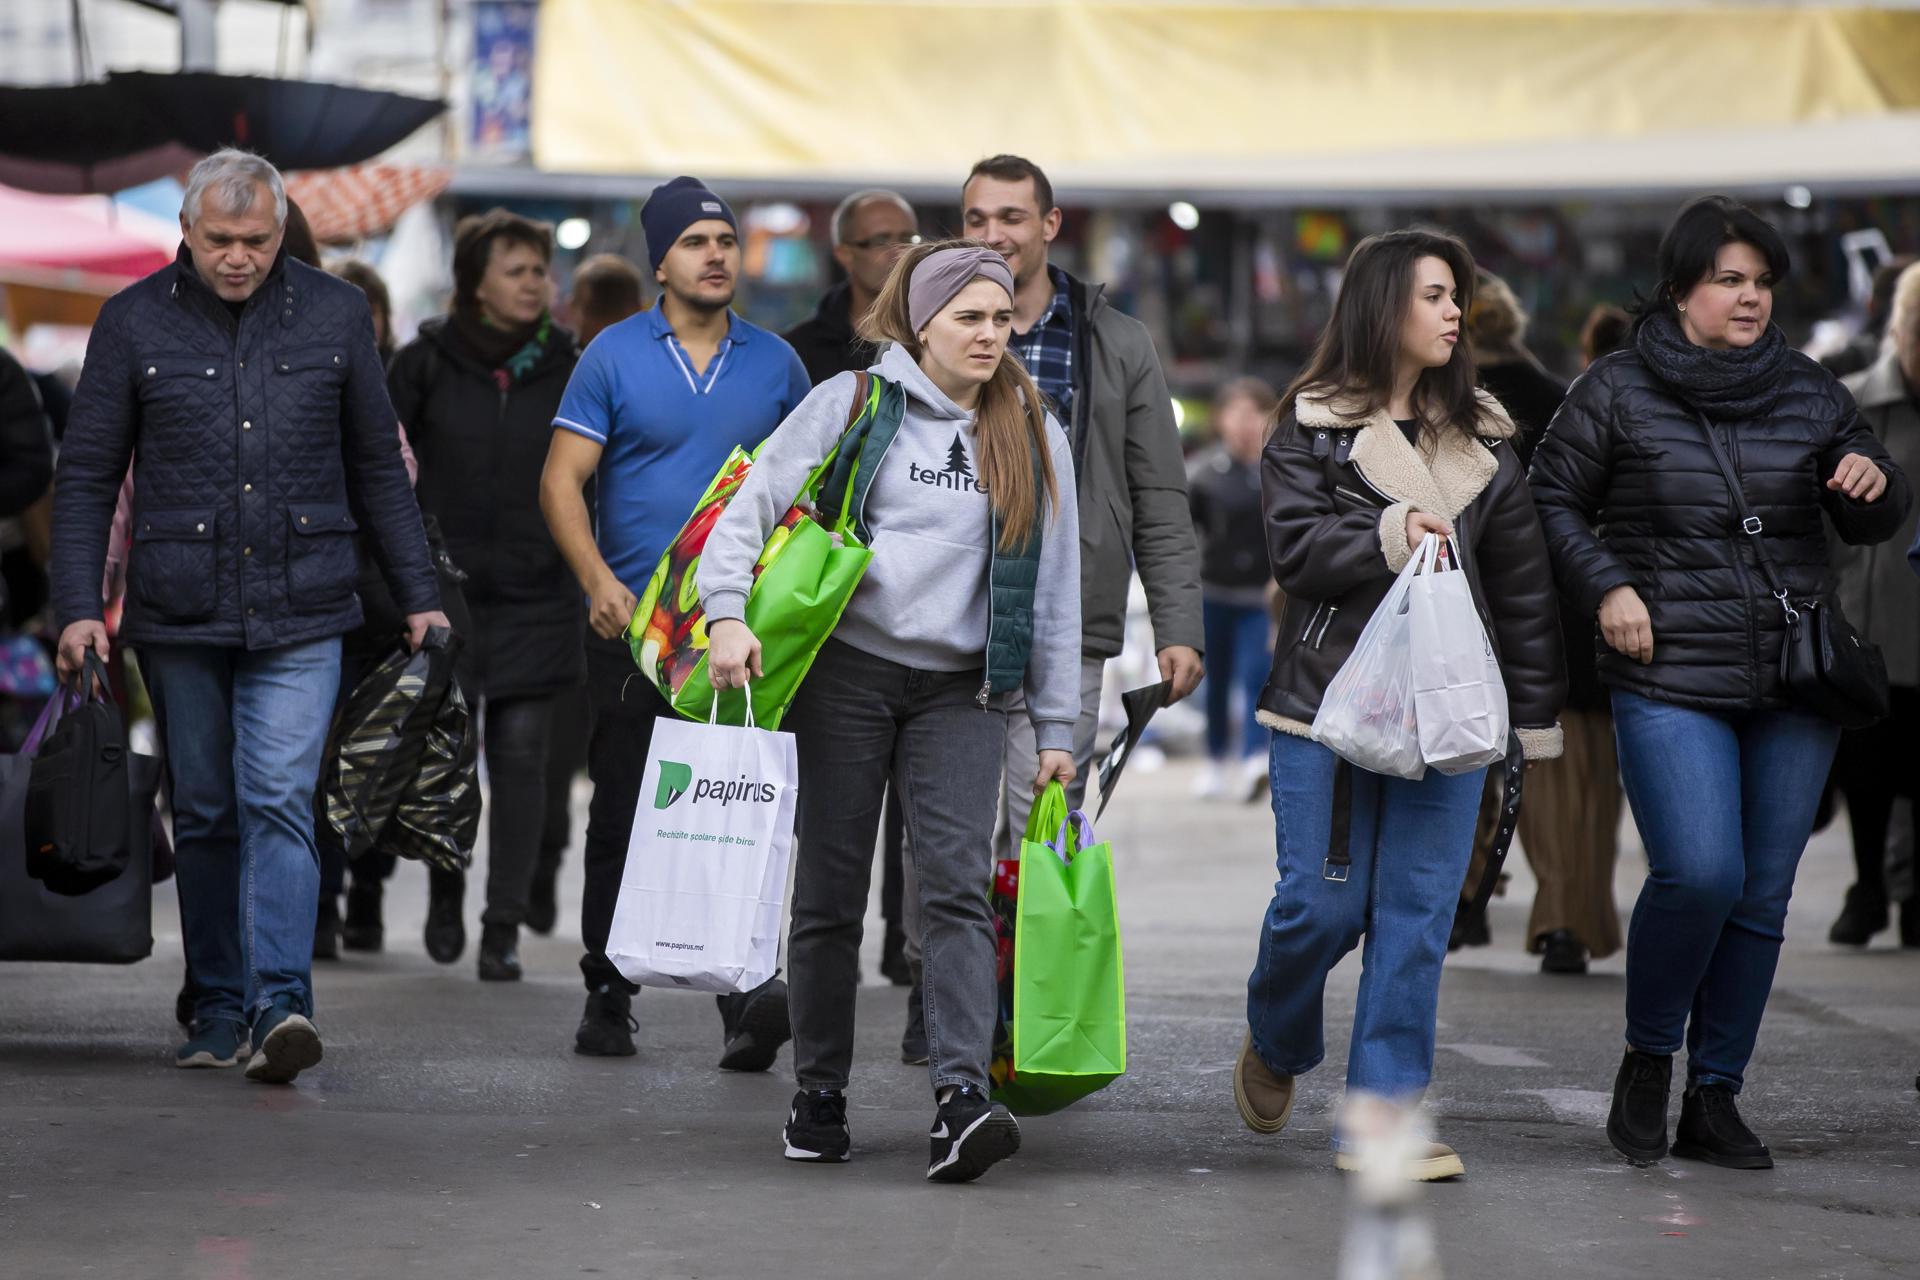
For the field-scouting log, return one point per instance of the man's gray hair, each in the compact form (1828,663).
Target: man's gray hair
(231,176)
(843,212)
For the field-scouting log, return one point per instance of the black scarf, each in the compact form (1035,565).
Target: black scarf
(514,352)
(1731,383)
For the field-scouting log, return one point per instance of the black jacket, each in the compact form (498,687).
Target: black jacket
(1630,496)
(826,341)
(1224,495)
(258,447)
(26,448)
(481,449)
(1337,494)
(1529,394)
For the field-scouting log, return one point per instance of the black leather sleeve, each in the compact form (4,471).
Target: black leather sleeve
(1317,552)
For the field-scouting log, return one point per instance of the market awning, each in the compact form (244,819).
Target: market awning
(82,234)
(1226,96)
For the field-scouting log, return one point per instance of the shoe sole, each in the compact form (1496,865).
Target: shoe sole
(289,1049)
(1690,1151)
(1254,1120)
(627,1050)
(1432,1169)
(1634,1152)
(500,975)
(800,1155)
(912,1061)
(206,1059)
(764,1027)
(983,1144)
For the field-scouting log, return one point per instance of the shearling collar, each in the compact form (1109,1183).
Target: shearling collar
(1445,484)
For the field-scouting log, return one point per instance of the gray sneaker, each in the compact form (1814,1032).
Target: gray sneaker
(217,1042)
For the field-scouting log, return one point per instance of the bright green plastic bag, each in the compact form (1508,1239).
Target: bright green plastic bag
(1067,1025)
(802,582)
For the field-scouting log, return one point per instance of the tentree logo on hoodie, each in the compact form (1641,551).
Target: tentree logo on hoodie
(956,475)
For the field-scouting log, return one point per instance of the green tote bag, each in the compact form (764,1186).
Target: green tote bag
(1068,1023)
(802,582)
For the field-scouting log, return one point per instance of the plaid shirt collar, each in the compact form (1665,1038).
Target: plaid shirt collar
(1047,348)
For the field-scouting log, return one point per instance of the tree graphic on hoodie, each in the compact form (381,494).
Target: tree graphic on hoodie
(957,458)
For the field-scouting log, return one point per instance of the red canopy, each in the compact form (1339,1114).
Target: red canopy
(82,233)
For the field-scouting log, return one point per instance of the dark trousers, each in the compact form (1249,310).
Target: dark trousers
(514,737)
(858,721)
(624,706)
(566,756)
(1874,768)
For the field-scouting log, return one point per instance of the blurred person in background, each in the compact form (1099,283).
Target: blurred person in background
(478,390)
(363,277)
(1223,491)
(1383,439)
(606,289)
(654,407)
(1496,325)
(1606,329)
(1881,596)
(871,229)
(1863,350)
(26,472)
(1722,764)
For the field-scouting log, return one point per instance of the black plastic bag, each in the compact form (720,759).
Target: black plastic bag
(402,769)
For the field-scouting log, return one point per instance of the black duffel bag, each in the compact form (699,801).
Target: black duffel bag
(76,822)
(112,924)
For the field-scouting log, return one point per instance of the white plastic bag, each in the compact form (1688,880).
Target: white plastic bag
(704,888)
(1367,714)
(1459,698)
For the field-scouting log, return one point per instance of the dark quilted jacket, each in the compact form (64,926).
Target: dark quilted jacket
(1629,495)
(481,449)
(258,448)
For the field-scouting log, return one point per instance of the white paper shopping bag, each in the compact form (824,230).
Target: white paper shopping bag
(704,888)
(1459,697)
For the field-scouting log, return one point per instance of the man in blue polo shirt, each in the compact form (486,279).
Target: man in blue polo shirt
(652,410)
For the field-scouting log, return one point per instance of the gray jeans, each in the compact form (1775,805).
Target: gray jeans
(857,720)
(1021,761)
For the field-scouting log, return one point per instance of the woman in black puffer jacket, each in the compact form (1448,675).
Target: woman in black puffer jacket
(1722,770)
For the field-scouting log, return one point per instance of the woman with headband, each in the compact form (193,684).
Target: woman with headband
(965,495)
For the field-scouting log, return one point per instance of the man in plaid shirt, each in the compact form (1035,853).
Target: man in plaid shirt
(1098,369)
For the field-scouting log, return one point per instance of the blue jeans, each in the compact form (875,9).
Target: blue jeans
(1725,805)
(1410,843)
(244,732)
(1237,658)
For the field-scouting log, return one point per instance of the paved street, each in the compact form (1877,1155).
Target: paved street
(452,1132)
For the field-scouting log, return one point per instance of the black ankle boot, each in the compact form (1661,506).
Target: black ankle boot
(1637,1122)
(1561,952)
(446,934)
(1711,1129)
(326,929)
(499,953)
(1863,915)
(363,929)
(1910,922)
(543,898)
(1470,928)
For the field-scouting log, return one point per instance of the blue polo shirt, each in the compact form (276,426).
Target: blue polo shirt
(665,430)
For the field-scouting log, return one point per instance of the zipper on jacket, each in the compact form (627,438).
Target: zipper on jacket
(1353,495)
(1327,622)
(1306,632)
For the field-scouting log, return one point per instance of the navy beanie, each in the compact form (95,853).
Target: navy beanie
(675,206)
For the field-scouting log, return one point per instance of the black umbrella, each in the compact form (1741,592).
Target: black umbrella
(103,136)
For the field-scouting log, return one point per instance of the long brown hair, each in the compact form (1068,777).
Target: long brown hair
(1010,422)
(1359,350)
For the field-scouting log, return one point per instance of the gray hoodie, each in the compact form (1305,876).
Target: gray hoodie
(923,601)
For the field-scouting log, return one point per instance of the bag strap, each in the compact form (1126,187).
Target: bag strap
(1749,522)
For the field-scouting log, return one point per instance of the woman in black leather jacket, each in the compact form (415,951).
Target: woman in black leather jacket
(1382,440)
(1722,770)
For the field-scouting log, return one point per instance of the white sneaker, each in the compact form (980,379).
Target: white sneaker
(1255,779)
(1211,782)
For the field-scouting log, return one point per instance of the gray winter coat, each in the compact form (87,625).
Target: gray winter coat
(1878,591)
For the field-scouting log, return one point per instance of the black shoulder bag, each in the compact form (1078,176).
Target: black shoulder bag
(1824,663)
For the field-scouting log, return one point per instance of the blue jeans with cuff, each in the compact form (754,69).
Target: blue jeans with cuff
(1409,843)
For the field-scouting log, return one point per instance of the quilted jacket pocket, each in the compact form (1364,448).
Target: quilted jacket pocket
(171,570)
(321,566)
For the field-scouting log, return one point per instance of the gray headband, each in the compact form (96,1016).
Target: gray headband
(941,276)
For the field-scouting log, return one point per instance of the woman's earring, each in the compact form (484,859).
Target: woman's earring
(1681,308)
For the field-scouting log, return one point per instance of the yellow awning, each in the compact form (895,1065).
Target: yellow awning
(1244,96)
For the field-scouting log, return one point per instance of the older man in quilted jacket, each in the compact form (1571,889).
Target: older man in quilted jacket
(245,388)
